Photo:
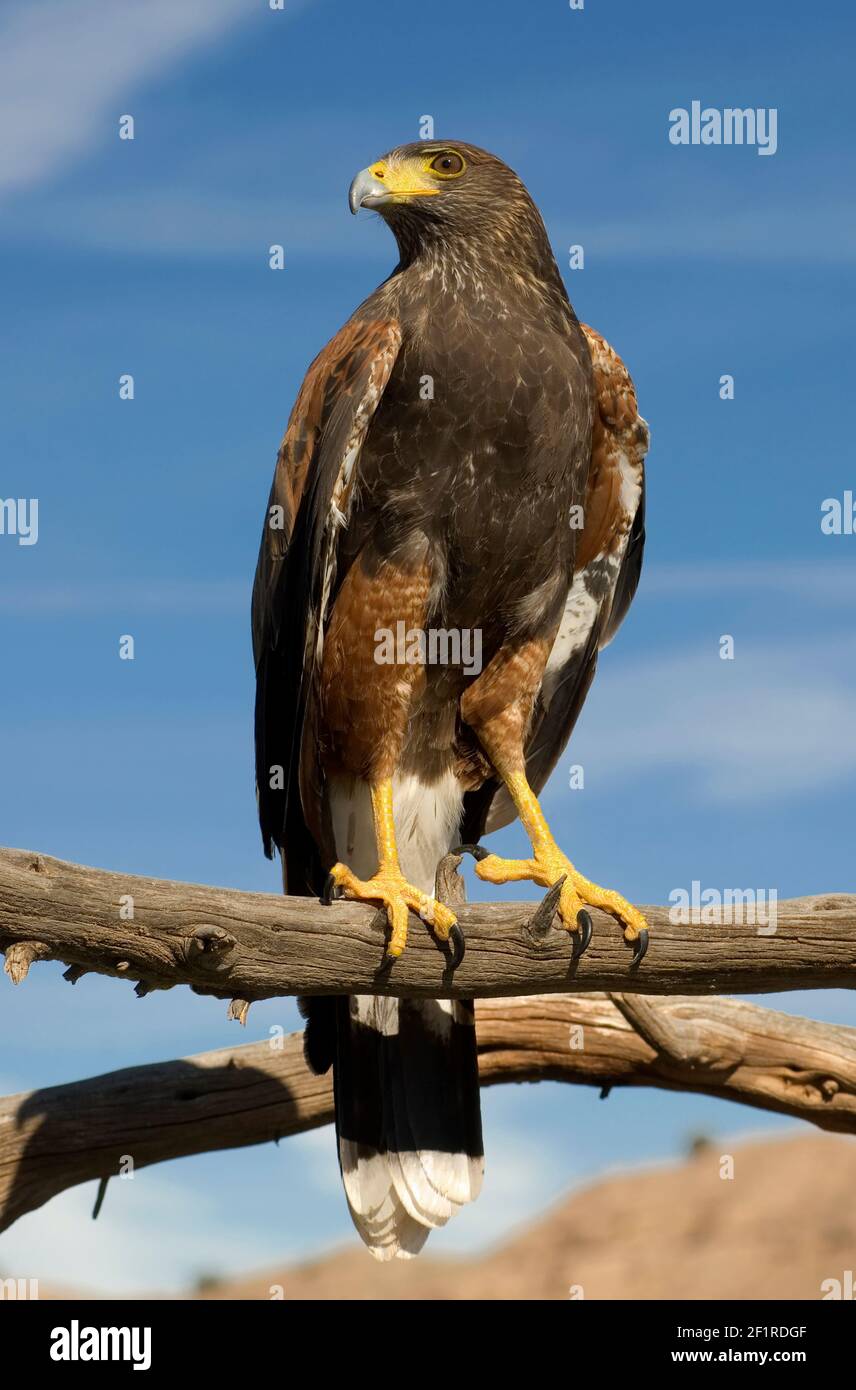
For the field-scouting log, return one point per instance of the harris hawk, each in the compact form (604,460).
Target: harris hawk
(463,456)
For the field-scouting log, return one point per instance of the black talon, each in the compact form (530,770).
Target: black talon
(640,948)
(477,851)
(458,943)
(585,925)
(331,891)
(542,918)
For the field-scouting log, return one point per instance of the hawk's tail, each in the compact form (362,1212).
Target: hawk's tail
(408,1118)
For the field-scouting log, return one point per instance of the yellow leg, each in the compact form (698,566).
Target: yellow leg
(548,864)
(388,885)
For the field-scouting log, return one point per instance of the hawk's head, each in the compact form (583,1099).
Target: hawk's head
(434,189)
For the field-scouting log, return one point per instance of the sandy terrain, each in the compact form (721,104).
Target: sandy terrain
(782,1225)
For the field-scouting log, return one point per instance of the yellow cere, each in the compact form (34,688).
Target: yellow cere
(416,177)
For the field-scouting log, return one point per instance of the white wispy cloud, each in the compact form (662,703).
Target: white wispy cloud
(818,232)
(69,67)
(53,600)
(774,722)
(202,221)
(814,583)
(154,1233)
(167,219)
(159,1232)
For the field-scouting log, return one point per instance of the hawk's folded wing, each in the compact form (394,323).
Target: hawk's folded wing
(606,573)
(315,474)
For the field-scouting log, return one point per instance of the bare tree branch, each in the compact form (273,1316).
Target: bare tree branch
(250,946)
(55,1138)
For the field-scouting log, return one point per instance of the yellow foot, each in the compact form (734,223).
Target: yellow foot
(390,887)
(545,868)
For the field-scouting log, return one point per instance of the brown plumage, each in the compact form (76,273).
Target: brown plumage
(462,458)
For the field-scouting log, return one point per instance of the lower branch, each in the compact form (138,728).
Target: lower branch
(55,1138)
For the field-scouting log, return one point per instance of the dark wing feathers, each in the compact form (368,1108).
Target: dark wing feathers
(608,565)
(314,474)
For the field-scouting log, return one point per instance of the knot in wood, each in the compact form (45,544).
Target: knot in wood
(208,946)
(210,938)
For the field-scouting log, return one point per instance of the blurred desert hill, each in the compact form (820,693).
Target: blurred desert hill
(785,1223)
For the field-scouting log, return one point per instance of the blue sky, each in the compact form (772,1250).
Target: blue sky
(150,257)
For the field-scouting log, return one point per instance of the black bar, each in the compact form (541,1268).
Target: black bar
(223,1338)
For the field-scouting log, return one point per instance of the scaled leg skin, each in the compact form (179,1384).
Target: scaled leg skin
(388,884)
(549,864)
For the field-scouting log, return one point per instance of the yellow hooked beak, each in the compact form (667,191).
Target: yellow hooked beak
(385,183)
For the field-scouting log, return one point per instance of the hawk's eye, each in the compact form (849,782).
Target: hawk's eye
(448,164)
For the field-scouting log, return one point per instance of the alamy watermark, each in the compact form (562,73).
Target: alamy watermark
(727,907)
(19,516)
(839,515)
(732,125)
(19,1290)
(429,646)
(83,1343)
(840,1289)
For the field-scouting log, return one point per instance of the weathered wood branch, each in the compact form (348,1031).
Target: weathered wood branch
(64,1135)
(250,946)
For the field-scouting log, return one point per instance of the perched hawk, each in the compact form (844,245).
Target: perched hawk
(464,457)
